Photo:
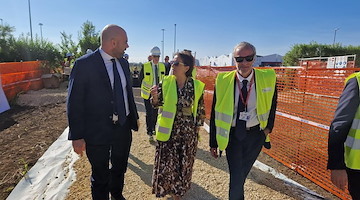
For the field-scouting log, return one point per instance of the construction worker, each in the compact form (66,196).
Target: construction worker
(243,114)
(151,74)
(68,65)
(167,65)
(344,139)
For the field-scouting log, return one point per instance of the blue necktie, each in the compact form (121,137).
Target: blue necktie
(119,104)
(240,128)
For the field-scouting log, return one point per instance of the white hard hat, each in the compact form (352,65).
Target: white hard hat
(89,51)
(68,54)
(155,51)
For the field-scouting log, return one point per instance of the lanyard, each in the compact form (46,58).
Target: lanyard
(248,91)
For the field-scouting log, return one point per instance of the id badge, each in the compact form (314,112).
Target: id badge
(115,118)
(244,116)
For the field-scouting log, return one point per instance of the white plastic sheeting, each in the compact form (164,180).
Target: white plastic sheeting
(51,176)
(4,105)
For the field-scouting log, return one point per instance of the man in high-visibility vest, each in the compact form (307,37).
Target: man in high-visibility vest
(151,74)
(243,114)
(344,139)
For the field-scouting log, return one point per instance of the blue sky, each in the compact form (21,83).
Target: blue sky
(209,28)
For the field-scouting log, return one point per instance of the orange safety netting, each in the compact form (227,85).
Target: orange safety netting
(19,77)
(307,99)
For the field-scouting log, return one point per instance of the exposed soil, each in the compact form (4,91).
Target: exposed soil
(27,131)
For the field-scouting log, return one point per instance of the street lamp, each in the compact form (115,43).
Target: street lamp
(1,22)
(174,40)
(30,21)
(162,43)
(335,35)
(40,24)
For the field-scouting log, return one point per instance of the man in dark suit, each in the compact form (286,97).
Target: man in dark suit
(102,111)
(243,114)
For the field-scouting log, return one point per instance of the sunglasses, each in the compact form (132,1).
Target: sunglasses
(247,58)
(156,56)
(176,63)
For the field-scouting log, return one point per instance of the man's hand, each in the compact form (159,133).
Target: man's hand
(214,152)
(266,131)
(79,146)
(339,178)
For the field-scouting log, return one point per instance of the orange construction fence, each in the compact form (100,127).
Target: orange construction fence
(307,99)
(19,77)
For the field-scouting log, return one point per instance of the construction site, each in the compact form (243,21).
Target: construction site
(294,168)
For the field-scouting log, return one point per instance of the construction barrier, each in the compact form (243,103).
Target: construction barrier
(307,99)
(19,77)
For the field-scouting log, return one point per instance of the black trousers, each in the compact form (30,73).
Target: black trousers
(354,183)
(241,153)
(151,117)
(107,179)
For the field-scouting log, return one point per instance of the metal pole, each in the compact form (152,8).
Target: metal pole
(30,21)
(162,42)
(335,35)
(174,40)
(40,24)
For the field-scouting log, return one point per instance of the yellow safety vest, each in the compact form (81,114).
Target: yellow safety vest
(167,112)
(352,143)
(265,80)
(147,82)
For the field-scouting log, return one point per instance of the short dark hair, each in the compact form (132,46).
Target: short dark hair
(188,60)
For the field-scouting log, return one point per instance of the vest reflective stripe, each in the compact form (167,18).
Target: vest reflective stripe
(355,124)
(265,81)
(147,82)
(223,117)
(352,143)
(167,113)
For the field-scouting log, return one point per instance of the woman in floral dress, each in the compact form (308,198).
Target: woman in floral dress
(174,158)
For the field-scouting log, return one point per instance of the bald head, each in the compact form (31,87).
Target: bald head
(114,40)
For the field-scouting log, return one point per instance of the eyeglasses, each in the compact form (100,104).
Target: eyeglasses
(177,63)
(247,58)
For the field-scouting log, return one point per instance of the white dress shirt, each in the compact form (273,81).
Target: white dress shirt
(251,103)
(109,68)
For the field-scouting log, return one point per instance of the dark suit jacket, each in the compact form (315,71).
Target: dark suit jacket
(270,125)
(90,100)
(340,126)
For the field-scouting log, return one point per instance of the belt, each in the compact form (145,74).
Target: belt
(253,128)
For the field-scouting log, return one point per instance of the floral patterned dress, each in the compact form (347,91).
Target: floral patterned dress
(174,159)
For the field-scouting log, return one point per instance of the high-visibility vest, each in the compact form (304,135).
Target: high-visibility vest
(148,80)
(265,80)
(352,143)
(167,112)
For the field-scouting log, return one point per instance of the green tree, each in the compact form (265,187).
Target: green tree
(6,39)
(314,49)
(67,44)
(88,37)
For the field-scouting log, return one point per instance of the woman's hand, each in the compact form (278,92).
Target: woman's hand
(154,94)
